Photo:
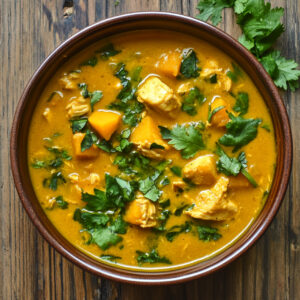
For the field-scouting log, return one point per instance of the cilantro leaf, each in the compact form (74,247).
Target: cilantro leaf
(96,202)
(96,96)
(212,9)
(84,90)
(283,71)
(108,51)
(235,74)
(242,103)
(54,180)
(192,101)
(151,257)
(78,125)
(207,233)
(89,139)
(110,257)
(61,203)
(162,219)
(89,219)
(211,113)
(189,68)
(104,237)
(186,139)
(148,187)
(240,132)
(177,229)
(176,170)
(90,62)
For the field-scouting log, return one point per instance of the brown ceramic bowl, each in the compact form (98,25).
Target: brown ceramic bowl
(129,22)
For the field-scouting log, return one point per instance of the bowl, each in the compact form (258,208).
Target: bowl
(130,22)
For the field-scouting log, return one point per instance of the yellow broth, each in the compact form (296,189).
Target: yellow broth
(145,49)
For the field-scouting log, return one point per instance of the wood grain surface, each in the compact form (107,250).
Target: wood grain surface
(29,267)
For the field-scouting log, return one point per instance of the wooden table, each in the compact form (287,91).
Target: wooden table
(30,268)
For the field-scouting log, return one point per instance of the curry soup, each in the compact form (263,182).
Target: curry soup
(151,149)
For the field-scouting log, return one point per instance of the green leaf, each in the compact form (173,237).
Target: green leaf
(89,139)
(178,229)
(95,98)
(242,103)
(192,101)
(108,51)
(162,220)
(96,202)
(156,146)
(206,233)
(151,257)
(165,203)
(110,257)
(84,90)
(178,212)
(212,113)
(54,180)
(176,170)
(119,225)
(186,139)
(78,125)
(189,68)
(235,74)
(89,219)
(212,9)
(213,78)
(90,62)
(104,237)
(240,132)
(61,203)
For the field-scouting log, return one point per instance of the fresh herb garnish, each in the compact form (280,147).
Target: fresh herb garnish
(53,94)
(177,229)
(84,90)
(78,125)
(240,132)
(156,146)
(61,203)
(162,220)
(186,139)
(176,170)
(192,101)
(108,51)
(189,68)
(213,79)
(242,103)
(261,26)
(90,62)
(212,113)
(54,180)
(206,233)
(233,166)
(110,257)
(178,212)
(96,96)
(235,74)
(89,139)
(151,257)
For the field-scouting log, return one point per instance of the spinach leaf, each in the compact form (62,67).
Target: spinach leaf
(240,132)
(186,139)
(151,257)
(206,233)
(242,103)
(189,68)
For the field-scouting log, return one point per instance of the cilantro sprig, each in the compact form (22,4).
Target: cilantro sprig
(261,26)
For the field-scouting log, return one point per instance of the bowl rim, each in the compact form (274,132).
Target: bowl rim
(145,278)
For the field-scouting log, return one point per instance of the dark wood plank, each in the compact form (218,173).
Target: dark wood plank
(31,269)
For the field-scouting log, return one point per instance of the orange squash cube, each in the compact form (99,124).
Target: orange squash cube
(105,122)
(170,64)
(90,153)
(220,118)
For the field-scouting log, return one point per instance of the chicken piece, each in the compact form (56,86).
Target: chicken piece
(141,212)
(184,88)
(146,136)
(201,171)
(77,107)
(47,114)
(159,96)
(90,153)
(212,204)
(170,63)
(220,118)
(212,68)
(105,122)
(238,182)
(68,82)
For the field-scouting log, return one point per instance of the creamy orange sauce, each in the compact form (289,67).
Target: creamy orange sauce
(145,49)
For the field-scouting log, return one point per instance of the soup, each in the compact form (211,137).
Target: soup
(151,150)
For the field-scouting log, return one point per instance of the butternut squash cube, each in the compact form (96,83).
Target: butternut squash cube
(90,153)
(220,118)
(169,64)
(141,212)
(146,134)
(201,171)
(105,122)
